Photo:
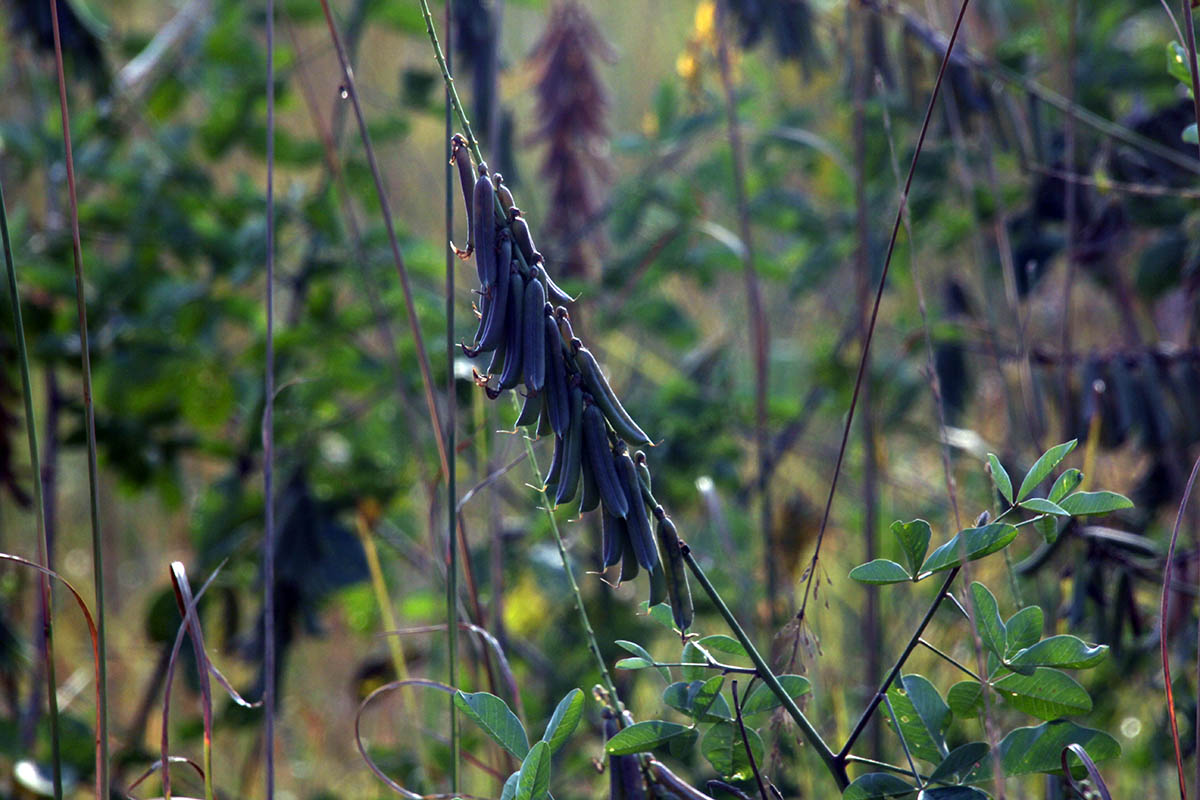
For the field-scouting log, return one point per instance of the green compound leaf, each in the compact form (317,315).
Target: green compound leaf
(1024,628)
(642,658)
(876,785)
(533,782)
(1000,477)
(1043,467)
(564,720)
(978,542)
(1081,504)
(725,750)
(1029,750)
(1043,506)
(965,699)
(642,737)
(960,762)
(880,572)
(1065,651)
(923,717)
(1067,482)
(914,542)
(497,720)
(987,617)
(763,699)
(1046,694)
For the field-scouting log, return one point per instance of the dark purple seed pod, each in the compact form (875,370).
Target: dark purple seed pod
(598,454)
(514,334)
(496,310)
(460,156)
(483,225)
(612,539)
(556,379)
(502,191)
(573,452)
(641,534)
(534,346)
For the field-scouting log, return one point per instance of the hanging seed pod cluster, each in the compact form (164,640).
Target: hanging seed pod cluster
(526,340)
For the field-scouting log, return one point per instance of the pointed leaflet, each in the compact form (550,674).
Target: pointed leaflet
(660,613)
(979,542)
(682,697)
(693,655)
(1000,477)
(1024,628)
(724,644)
(877,785)
(1068,652)
(960,762)
(922,715)
(709,691)
(1044,506)
(880,572)
(1081,504)
(493,715)
(914,542)
(642,737)
(533,782)
(763,699)
(1029,750)
(1046,694)
(510,786)
(1043,467)
(725,750)
(642,654)
(1067,482)
(987,618)
(965,699)
(564,720)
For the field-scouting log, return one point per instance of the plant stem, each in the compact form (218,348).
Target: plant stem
(268,429)
(895,670)
(737,709)
(924,643)
(887,261)
(451,477)
(833,763)
(102,782)
(447,78)
(45,609)
(593,645)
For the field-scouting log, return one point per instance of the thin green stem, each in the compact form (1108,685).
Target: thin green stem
(268,436)
(833,763)
(903,742)
(451,477)
(102,781)
(35,467)
(865,717)
(925,643)
(448,79)
(593,645)
(870,762)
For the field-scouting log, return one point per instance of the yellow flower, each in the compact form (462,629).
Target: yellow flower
(706,20)
(686,66)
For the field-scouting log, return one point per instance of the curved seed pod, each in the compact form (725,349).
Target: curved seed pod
(612,539)
(554,291)
(460,156)
(629,559)
(523,237)
(640,532)
(589,498)
(496,311)
(615,790)
(678,591)
(543,428)
(556,378)
(606,399)
(530,411)
(499,359)
(600,459)
(564,327)
(643,470)
(513,338)
(535,336)
(556,466)
(482,313)
(658,587)
(573,453)
(502,191)
(483,226)
(631,779)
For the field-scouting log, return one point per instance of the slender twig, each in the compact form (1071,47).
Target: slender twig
(833,763)
(268,429)
(927,645)
(737,710)
(903,741)
(1189,29)
(351,90)
(1162,625)
(45,606)
(451,477)
(943,592)
(593,644)
(759,333)
(887,261)
(89,410)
